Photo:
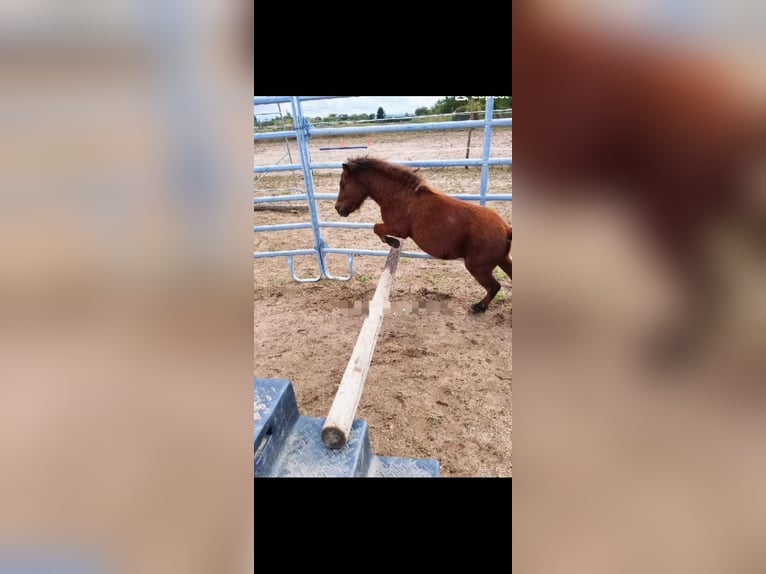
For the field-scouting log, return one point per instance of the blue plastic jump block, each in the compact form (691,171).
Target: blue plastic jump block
(287,444)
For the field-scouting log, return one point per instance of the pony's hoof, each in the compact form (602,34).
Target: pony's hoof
(478,308)
(392,241)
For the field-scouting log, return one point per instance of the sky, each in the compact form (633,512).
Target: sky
(392,105)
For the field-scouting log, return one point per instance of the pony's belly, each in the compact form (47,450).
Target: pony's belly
(440,251)
(444,255)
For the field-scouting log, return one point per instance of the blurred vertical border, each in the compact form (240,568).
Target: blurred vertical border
(126,309)
(623,464)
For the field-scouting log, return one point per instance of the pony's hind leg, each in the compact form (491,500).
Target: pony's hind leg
(506,265)
(483,274)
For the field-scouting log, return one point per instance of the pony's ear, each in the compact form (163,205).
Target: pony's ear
(345,167)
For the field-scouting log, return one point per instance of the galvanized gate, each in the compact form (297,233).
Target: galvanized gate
(303,131)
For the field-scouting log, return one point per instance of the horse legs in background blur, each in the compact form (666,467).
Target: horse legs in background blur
(680,240)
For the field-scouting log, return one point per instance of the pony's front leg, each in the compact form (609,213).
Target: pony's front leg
(388,234)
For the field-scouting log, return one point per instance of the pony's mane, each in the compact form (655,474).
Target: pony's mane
(401,174)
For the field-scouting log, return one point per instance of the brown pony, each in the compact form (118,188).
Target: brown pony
(661,129)
(442,226)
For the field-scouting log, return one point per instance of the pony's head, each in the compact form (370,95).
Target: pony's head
(352,193)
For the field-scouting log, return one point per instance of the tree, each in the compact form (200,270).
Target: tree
(381,115)
(448,105)
(422,111)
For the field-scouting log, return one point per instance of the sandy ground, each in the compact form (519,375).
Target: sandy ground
(440,383)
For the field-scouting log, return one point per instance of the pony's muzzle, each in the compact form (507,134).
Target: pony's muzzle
(342,211)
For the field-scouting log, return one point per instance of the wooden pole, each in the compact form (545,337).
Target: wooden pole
(470,131)
(281,208)
(337,426)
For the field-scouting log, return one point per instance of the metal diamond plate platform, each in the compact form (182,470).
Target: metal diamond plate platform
(287,444)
